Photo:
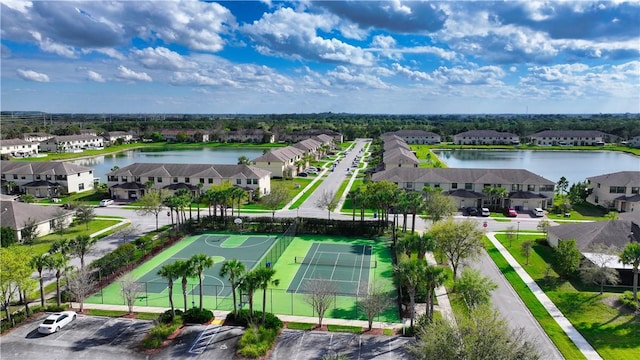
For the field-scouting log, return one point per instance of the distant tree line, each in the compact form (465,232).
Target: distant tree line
(350,125)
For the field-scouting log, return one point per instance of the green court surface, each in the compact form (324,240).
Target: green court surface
(347,262)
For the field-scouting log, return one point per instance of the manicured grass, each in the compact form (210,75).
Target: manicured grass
(304,196)
(559,338)
(92,197)
(612,331)
(426,157)
(300,326)
(79,229)
(344,328)
(388,332)
(118,313)
(583,212)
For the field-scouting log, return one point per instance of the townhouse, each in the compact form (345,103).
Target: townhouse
(634,142)
(417,136)
(18,148)
(524,189)
(570,138)
(131,182)
(309,133)
(112,137)
(310,147)
(18,215)
(182,135)
(71,143)
(257,136)
(396,153)
(282,162)
(619,191)
(46,179)
(36,136)
(485,137)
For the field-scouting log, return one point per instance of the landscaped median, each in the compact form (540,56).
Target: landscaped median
(610,329)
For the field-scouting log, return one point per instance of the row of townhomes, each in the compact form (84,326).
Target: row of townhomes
(468,187)
(542,138)
(131,182)
(288,161)
(619,191)
(18,148)
(45,179)
(485,137)
(88,139)
(416,136)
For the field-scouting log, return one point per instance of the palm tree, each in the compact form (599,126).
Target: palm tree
(237,193)
(41,263)
(434,277)
(631,256)
(233,269)
(410,274)
(199,197)
(81,246)
(200,262)
(10,186)
(250,283)
(265,276)
(58,264)
(184,270)
(415,204)
(170,272)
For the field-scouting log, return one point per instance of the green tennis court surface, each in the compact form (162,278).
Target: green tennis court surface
(345,266)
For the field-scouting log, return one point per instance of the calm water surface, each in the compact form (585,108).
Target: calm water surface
(574,165)
(103,164)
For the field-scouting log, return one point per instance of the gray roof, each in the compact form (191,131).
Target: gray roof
(280,155)
(41,168)
(191,170)
(616,233)
(316,132)
(569,133)
(458,175)
(57,139)
(307,144)
(15,214)
(15,142)
(486,133)
(400,155)
(409,132)
(461,193)
(395,143)
(620,178)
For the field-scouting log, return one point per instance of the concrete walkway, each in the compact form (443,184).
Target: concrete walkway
(219,315)
(587,350)
(441,294)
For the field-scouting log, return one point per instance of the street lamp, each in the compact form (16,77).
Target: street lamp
(518,231)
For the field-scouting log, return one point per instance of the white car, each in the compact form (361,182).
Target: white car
(106,202)
(484,212)
(55,322)
(311,171)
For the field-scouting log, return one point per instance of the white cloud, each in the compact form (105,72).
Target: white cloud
(31,75)
(128,74)
(161,58)
(473,75)
(351,78)
(94,76)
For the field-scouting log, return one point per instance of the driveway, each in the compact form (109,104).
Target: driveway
(204,342)
(88,337)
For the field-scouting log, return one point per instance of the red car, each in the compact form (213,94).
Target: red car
(510,212)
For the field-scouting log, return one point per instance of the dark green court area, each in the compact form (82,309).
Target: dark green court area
(346,266)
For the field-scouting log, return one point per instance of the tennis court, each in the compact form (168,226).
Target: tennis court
(346,266)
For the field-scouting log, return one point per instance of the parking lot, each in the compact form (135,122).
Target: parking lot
(88,337)
(303,345)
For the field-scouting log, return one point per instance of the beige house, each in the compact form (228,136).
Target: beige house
(17,215)
(311,148)
(485,137)
(46,179)
(417,136)
(71,143)
(396,153)
(131,182)
(524,189)
(281,162)
(18,148)
(619,190)
(570,138)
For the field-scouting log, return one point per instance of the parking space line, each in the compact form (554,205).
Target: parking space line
(122,333)
(299,346)
(199,349)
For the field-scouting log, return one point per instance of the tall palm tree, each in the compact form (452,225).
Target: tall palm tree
(410,274)
(433,277)
(236,193)
(415,204)
(184,270)
(233,269)
(199,197)
(40,263)
(81,246)
(250,283)
(265,276)
(199,263)
(59,264)
(170,273)
(631,256)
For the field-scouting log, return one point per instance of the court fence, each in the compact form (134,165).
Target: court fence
(279,246)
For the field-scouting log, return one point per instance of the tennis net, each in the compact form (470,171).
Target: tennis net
(354,262)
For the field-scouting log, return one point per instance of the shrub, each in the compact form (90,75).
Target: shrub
(256,341)
(195,316)
(159,333)
(627,300)
(270,321)
(166,317)
(55,308)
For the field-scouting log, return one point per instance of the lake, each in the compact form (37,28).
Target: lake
(552,165)
(206,155)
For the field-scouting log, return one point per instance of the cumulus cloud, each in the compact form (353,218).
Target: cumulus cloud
(343,76)
(94,76)
(287,33)
(128,74)
(472,75)
(30,75)
(161,58)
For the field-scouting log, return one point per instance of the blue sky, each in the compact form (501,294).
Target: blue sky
(382,57)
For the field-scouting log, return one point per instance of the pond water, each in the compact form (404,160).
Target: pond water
(206,155)
(552,165)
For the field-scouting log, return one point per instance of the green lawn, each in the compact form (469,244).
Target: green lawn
(43,244)
(92,197)
(583,212)
(611,330)
(304,196)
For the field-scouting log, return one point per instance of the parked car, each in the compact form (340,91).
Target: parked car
(311,171)
(55,322)
(471,211)
(510,212)
(303,174)
(538,212)
(106,202)
(485,212)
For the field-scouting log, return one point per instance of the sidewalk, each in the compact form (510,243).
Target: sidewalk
(441,294)
(219,314)
(587,350)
